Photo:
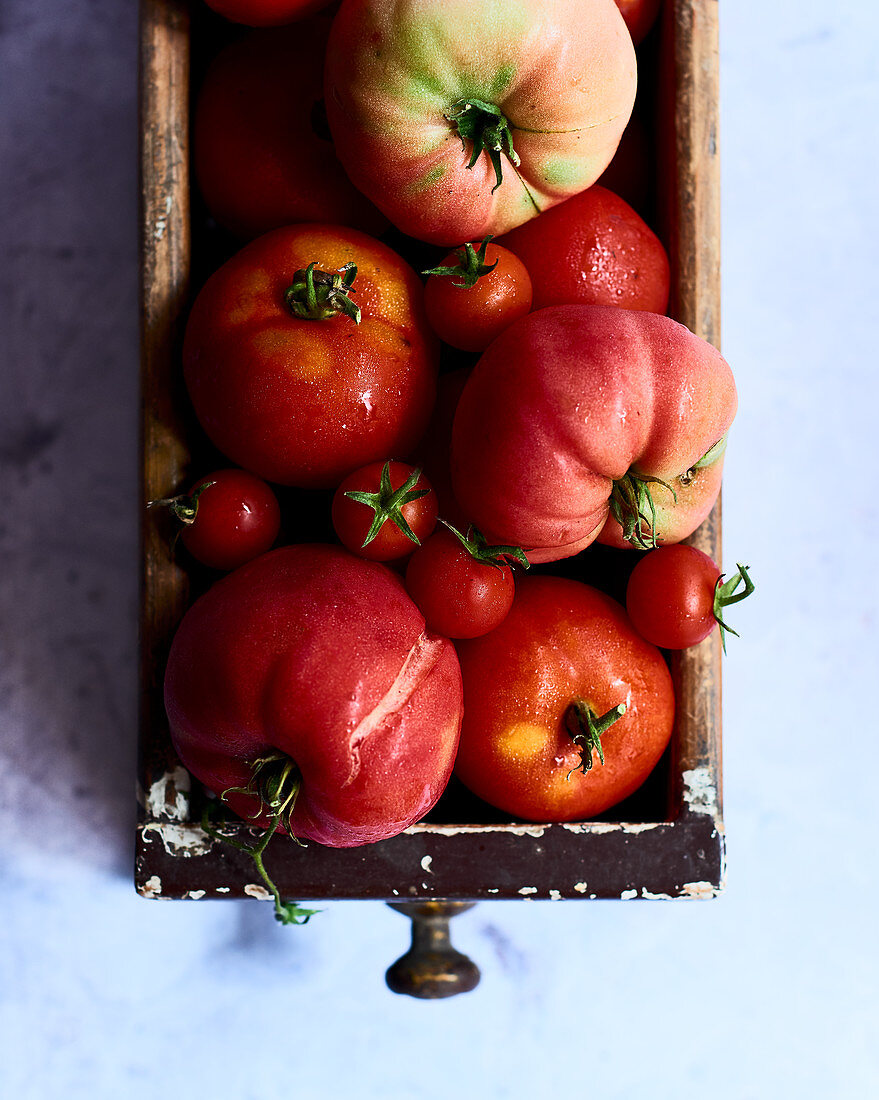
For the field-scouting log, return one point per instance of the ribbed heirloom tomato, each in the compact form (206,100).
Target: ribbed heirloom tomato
(286,380)
(592,422)
(465,117)
(567,709)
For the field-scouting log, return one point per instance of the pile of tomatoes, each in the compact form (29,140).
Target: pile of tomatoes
(450,342)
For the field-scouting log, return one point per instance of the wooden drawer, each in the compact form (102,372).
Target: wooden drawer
(666,842)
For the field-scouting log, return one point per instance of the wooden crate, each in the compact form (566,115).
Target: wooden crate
(666,842)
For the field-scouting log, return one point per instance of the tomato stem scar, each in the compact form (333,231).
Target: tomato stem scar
(631,505)
(484,125)
(316,295)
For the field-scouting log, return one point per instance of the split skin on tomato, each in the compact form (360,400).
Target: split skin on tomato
(384,511)
(476,292)
(565,658)
(319,665)
(593,249)
(262,151)
(229,517)
(460,118)
(299,395)
(592,422)
(462,586)
(266,13)
(675,597)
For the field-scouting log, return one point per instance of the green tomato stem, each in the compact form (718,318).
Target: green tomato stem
(476,545)
(387,503)
(631,505)
(275,782)
(316,295)
(485,127)
(586,728)
(471,265)
(725,594)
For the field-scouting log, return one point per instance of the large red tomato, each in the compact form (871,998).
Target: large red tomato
(566,709)
(262,150)
(460,118)
(584,422)
(318,664)
(282,377)
(594,249)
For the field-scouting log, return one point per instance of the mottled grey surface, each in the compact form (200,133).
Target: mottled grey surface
(767,992)
(68,427)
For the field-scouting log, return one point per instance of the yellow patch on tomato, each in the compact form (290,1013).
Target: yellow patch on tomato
(523,741)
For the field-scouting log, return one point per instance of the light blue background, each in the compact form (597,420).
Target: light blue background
(770,991)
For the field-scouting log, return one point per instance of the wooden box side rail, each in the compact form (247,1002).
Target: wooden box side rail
(681,855)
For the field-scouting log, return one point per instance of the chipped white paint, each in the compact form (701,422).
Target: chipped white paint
(168,797)
(700,791)
(223,889)
(613,826)
(179,840)
(555,895)
(195,894)
(152,888)
(396,893)
(162,222)
(580,887)
(454,830)
(650,896)
(627,895)
(528,890)
(493,890)
(426,862)
(699,890)
(255,891)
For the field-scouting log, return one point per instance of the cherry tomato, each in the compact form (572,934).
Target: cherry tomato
(566,709)
(475,293)
(382,511)
(462,586)
(675,596)
(228,517)
(265,13)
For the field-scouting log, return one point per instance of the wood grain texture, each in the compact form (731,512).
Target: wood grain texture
(679,852)
(165,276)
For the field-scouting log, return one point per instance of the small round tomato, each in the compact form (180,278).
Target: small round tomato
(383,511)
(675,597)
(229,518)
(462,586)
(475,293)
(265,13)
(566,709)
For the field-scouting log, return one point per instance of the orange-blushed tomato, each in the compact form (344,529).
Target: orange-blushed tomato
(476,292)
(307,355)
(384,510)
(567,709)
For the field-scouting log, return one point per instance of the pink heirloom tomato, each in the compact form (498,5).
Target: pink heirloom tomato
(460,118)
(592,422)
(313,668)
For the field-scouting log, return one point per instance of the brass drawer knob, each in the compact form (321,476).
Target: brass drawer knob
(432,968)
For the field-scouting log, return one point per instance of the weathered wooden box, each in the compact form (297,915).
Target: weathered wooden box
(666,842)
